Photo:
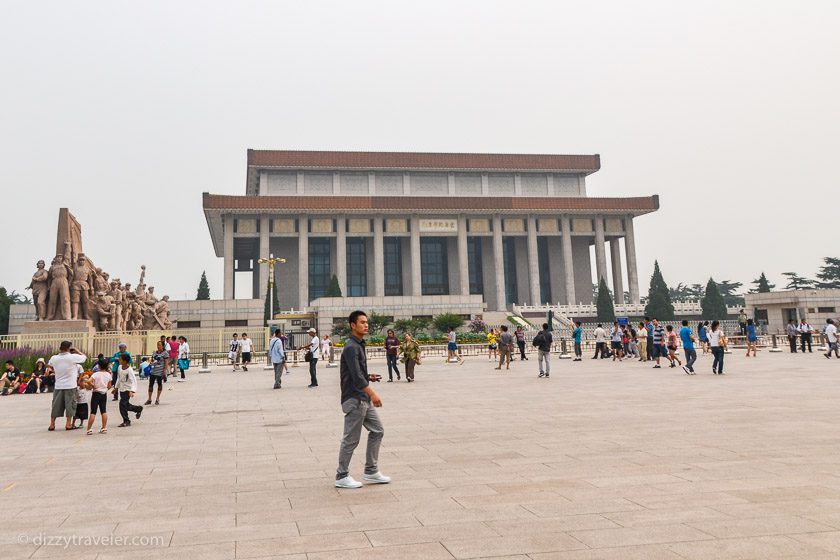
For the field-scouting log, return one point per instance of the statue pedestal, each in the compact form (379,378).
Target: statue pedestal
(57,327)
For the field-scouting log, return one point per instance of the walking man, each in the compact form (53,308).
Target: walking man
(577,335)
(505,348)
(831,337)
(805,331)
(600,342)
(359,403)
(313,350)
(277,355)
(392,350)
(688,348)
(792,331)
(659,349)
(543,342)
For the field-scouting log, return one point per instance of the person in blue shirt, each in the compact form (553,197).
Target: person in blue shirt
(277,355)
(702,334)
(115,364)
(752,338)
(577,333)
(688,348)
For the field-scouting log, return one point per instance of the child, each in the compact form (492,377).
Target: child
(145,368)
(127,386)
(101,381)
(83,395)
(672,346)
(752,338)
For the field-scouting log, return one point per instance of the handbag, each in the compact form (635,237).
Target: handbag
(307,357)
(184,363)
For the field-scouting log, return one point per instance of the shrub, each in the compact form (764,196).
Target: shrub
(446,321)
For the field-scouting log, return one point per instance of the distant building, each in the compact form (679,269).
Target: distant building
(778,308)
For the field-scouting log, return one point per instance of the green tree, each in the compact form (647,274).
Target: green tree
(444,321)
(714,307)
(762,285)
(333,290)
(797,282)
(377,323)
(203,287)
(729,290)
(411,326)
(271,291)
(604,303)
(659,299)
(829,274)
(6,301)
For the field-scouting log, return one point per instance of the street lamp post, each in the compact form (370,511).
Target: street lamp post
(271,261)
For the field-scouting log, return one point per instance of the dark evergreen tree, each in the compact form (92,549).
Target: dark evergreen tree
(829,274)
(604,303)
(714,307)
(271,291)
(203,287)
(797,282)
(728,290)
(334,290)
(659,299)
(762,285)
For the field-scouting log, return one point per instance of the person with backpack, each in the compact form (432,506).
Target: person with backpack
(543,342)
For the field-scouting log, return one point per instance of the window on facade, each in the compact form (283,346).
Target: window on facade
(509,258)
(319,266)
(825,310)
(393,266)
(545,272)
(476,270)
(356,267)
(189,324)
(434,272)
(236,322)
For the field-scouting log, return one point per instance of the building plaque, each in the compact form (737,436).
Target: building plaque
(580,225)
(514,225)
(321,225)
(246,225)
(283,225)
(479,225)
(396,225)
(438,225)
(358,225)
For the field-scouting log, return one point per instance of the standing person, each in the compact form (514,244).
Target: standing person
(505,348)
(277,355)
(642,335)
(183,357)
(313,351)
(632,341)
(492,344)
(65,365)
(792,332)
(688,348)
(245,344)
(101,381)
(359,403)
(577,336)
(233,352)
(831,338)
(650,348)
(752,338)
(174,347)
(411,356)
(742,322)
(702,334)
(659,350)
(83,396)
(127,387)
(452,347)
(805,332)
(160,361)
(717,342)
(543,342)
(672,346)
(392,349)
(616,342)
(326,349)
(520,342)
(600,342)
(285,340)
(115,364)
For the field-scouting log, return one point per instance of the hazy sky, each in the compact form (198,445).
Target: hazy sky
(127,111)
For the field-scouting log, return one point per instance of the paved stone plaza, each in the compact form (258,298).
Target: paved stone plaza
(602,460)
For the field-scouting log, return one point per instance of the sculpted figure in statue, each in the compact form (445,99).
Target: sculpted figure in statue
(39,287)
(162,313)
(81,288)
(118,298)
(59,288)
(151,298)
(105,311)
(100,281)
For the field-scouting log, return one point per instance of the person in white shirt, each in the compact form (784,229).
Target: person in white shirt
(183,357)
(717,341)
(83,394)
(831,336)
(127,386)
(65,364)
(235,348)
(245,345)
(101,381)
(314,350)
(600,342)
(326,348)
(805,336)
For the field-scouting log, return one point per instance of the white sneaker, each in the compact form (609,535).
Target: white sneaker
(348,482)
(377,478)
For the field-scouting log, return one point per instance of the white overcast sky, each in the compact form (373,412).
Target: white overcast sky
(127,111)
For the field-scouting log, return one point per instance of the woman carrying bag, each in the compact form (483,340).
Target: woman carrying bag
(410,351)
(183,357)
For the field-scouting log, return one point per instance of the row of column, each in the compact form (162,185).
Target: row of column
(463,287)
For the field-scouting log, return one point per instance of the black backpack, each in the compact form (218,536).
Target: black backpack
(538,340)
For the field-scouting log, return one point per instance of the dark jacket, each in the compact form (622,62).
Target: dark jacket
(543,341)
(354,372)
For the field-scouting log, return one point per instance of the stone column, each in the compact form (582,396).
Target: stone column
(463,258)
(265,226)
(618,281)
(378,258)
(630,257)
(499,263)
(303,262)
(568,260)
(600,250)
(341,253)
(416,279)
(227,226)
(533,262)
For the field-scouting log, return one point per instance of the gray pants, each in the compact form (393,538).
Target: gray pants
(542,355)
(690,358)
(278,373)
(358,413)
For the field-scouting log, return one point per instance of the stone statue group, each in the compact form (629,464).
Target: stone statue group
(74,289)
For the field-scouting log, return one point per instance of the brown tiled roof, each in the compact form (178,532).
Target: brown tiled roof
(414,203)
(412,160)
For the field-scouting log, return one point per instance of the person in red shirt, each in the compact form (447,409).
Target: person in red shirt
(173,354)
